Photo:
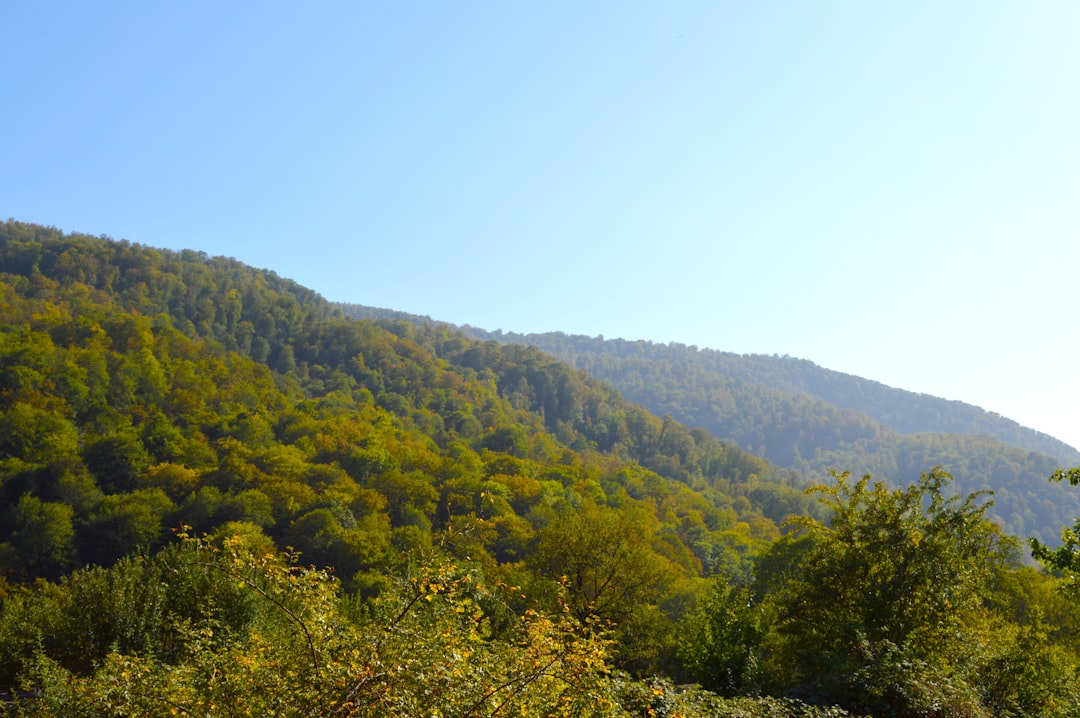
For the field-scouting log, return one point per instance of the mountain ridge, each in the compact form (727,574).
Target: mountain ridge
(825,383)
(805,433)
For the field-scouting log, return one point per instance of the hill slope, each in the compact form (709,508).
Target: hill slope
(809,419)
(141,389)
(498,529)
(903,411)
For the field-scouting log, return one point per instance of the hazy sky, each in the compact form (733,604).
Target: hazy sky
(887,189)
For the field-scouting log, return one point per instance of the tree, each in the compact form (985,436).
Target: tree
(43,536)
(872,609)
(117,460)
(1066,558)
(35,435)
(423,648)
(123,523)
(720,640)
(600,563)
(602,559)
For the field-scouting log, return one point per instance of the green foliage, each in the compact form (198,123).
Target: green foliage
(138,606)
(208,629)
(116,460)
(719,643)
(894,563)
(35,435)
(481,528)
(43,536)
(425,648)
(600,568)
(889,609)
(659,698)
(1066,558)
(810,420)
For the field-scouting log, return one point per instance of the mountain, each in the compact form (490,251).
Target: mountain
(143,389)
(809,419)
(217,489)
(902,411)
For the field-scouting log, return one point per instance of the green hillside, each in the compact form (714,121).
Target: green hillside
(221,496)
(145,389)
(810,420)
(902,411)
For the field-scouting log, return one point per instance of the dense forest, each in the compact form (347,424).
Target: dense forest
(902,411)
(221,496)
(810,420)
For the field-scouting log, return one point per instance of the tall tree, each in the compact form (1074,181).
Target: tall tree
(874,604)
(1066,558)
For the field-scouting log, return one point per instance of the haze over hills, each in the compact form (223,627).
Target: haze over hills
(810,419)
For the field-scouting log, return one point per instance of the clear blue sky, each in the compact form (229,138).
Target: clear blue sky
(887,189)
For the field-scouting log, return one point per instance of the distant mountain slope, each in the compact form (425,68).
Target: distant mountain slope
(903,411)
(783,409)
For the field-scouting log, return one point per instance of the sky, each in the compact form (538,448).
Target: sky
(890,190)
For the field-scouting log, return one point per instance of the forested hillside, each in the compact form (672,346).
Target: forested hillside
(810,420)
(902,411)
(217,491)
